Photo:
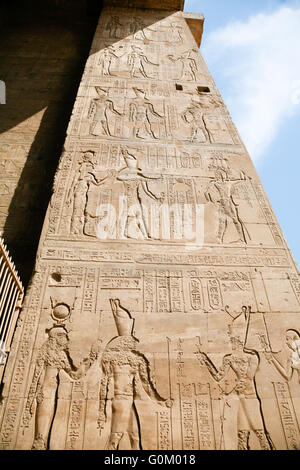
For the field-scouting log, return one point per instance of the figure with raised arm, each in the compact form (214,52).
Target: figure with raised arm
(240,394)
(53,358)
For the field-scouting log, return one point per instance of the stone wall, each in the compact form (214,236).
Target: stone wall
(164,308)
(42,55)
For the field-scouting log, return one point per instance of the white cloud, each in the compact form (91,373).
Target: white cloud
(260,59)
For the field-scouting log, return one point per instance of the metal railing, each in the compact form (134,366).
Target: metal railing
(11,296)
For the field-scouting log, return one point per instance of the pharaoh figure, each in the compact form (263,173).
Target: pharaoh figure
(77,195)
(241,404)
(136,60)
(189,65)
(126,376)
(221,192)
(209,101)
(99,113)
(113,26)
(136,27)
(141,111)
(175,31)
(106,59)
(53,358)
(193,116)
(135,184)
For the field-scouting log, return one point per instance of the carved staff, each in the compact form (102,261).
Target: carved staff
(170,388)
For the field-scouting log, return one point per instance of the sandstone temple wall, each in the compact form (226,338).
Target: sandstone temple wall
(164,308)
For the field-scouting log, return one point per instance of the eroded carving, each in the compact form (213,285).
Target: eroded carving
(293,356)
(193,116)
(100,111)
(113,26)
(221,192)
(135,183)
(188,63)
(142,112)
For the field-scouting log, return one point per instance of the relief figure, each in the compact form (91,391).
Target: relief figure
(100,110)
(175,31)
(53,358)
(136,60)
(188,65)
(136,27)
(292,363)
(221,192)
(106,59)
(240,394)
(141,113)
(135,184)
(193,116)
(113,27)
(126,373)
(77,195)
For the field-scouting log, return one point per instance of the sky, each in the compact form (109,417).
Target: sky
(252,50)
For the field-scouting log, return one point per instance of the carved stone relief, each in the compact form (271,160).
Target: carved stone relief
(136,333)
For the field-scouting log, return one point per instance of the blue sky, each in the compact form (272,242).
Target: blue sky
(252,50)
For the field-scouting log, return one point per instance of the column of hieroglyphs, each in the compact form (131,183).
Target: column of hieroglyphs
(164,308)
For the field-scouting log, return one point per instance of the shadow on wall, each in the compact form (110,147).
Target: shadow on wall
(43,49)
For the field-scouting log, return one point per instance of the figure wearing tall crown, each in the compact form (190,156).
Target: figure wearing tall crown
(133,223)
(126,374)
(242,407)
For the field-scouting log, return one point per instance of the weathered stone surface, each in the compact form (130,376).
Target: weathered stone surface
(41,63)
(164,309)
(150,4)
